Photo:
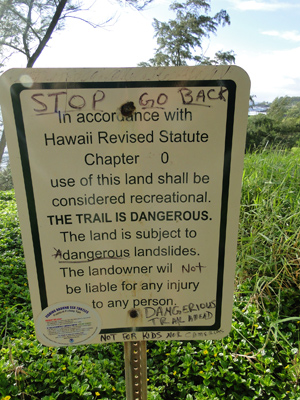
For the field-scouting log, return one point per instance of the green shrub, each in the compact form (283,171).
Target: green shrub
(6,182)
(265,132)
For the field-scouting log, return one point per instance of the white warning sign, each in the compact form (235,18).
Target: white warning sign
(128,186)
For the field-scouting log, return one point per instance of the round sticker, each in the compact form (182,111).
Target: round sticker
(67,323)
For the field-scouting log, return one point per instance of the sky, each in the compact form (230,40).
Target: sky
(264,35)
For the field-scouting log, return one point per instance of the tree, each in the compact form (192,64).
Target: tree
(180,39)
(27,25)
(293,114)
(286,109)
(280,127)
(261,132)
(279,107)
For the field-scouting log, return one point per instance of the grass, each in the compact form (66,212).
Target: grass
(269,235)
(258,360)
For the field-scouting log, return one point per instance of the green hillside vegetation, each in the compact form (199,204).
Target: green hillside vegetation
(279,127)
(258,360)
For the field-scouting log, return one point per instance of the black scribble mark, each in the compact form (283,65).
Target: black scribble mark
(57,254)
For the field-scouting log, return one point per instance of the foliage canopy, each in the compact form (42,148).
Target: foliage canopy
(179,40)
(27,26)
(285,108)
(279,127)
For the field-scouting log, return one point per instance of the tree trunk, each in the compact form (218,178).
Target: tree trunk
(48,34)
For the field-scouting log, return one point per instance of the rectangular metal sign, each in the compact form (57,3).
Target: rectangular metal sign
(128,186)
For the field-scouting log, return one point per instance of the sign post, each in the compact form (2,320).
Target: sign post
(128,186)
(136,370)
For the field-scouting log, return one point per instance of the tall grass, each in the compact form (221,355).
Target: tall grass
(269,235)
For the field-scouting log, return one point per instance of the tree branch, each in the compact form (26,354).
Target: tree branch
(48,33)
(93,25)
(14,11)
(12,47)
(3,7)
(25,33)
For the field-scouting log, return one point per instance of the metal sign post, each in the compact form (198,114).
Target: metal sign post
(136,370)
